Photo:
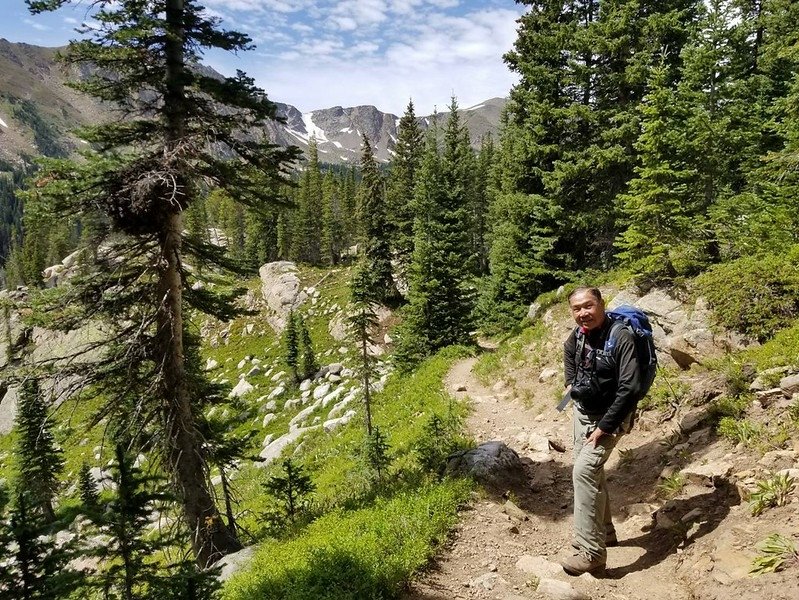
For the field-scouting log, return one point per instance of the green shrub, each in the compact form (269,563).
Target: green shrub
(755,295)
(738,430)
(672,485)
(776,553)
(358,555)
(771,492)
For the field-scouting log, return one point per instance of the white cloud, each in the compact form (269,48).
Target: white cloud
(35,25)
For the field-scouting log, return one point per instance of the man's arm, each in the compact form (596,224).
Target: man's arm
(629,382)
(569,360)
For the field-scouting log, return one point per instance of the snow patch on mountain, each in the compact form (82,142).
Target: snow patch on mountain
(479,106)
(313,130)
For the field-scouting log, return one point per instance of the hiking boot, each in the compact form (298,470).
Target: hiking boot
(582,562)
(611,541)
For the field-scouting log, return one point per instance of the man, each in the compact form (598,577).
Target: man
(602,377)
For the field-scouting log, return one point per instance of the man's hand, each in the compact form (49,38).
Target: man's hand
(593,439)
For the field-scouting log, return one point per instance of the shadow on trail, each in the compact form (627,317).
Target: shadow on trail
(660,543)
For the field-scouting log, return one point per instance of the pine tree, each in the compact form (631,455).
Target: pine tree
(376,453)
(87,489)
(125,519)
(291,344)
(144,173)
(399,194)
(308,364)
(292,489)
(481,202)
(363,319)
(39,460)
(440,304)
(372,216)
(32,567)
(655,205)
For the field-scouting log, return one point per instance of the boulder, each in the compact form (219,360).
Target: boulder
(492,463)
(332,396)
(242,387)
(335,368)
(333,424)
(274,449)
(256,370)
(304,413)
(231,564)
(533,311)
(8,409)
(268,418)
(338,327)
(538,566)
(559,590)
(707,473)
(548,374)
(321,391)
(278,391)
(280,287)
(305,385)
(211,364)
(790,385)
(779,459)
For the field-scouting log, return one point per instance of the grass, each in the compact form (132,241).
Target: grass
(355,555)
(739,431)
(524,348)
(771,492)
(777,552)
(672,485)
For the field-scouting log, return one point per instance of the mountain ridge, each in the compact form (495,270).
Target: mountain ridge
(39,113)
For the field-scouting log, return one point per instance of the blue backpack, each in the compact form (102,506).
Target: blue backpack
(637,322)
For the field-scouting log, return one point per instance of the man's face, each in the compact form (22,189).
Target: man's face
(588,312)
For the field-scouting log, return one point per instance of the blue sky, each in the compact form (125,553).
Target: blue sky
(317,54)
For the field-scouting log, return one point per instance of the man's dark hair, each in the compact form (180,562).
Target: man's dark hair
(594,291)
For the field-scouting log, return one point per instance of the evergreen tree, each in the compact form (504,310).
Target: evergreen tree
(657,199)
(440,303)
(125,519)
(39,460)
(399,194)
(87,488)
(32,567)
(142,175)
(376,453)
(363,319)
(376,251)
(308,364)
(292,489)
(291,344)
(481,202)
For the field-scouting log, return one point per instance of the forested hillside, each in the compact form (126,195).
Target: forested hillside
(647,145)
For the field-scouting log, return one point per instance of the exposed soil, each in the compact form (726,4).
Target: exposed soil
(701,545)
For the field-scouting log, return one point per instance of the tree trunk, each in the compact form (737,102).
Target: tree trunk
(211,538)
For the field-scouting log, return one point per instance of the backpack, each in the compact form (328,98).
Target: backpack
(638,323)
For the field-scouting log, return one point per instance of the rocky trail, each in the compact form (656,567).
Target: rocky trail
(507,545)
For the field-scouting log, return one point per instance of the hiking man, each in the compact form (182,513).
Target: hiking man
(602,378)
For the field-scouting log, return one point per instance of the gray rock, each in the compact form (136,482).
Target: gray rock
(277,376)
(8,410)
(271,405)
(235,562)
(278,391)
(305,385)
(779,459)
(321,391)
(305,413)
(211,364)
(559,590)
(256,370)
(532,312)
(333,424)
(280,287)
(275,448)
(291,404)
(491,463)
(268,418)
(335,368)
(708,473)
(242,387)
(548,374)
(242,364)
(513,511)
(538,566)
(332,396)
(790,385)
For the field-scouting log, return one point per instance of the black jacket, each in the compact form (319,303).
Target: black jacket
(613,370)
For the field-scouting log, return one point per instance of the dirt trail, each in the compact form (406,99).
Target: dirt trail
(483,557)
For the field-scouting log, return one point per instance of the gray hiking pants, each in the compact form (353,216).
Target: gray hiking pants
(592,516)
